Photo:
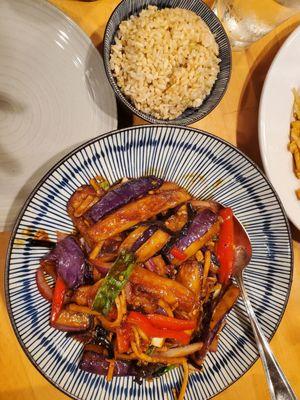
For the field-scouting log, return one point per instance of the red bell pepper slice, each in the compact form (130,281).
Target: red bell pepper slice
(164,322)
(58,298)
(123,338)
(176,253)
(225,245)
(140,320)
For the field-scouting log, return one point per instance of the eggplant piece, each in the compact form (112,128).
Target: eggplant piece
(72,321)
(225,304)
(83,196)
(101,338)
(190,275)
(84,295)
(95,340)
(164,216)
(77,202)
(82,337)
(198,244)
(172,292)
(133,236)
(122,195)
(205,204)
(192,249)
(70,263)
(218,315)
(97,364)
(152,246)
(207,312)
(111,246)
(200,225)
(139,300)
(175,222)
(157,264)
(169,186)
(144,237)
(136,212)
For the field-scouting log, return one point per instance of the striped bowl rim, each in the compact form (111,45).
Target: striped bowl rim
(100,138)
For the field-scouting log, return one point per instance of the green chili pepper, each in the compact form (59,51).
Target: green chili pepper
(114,282)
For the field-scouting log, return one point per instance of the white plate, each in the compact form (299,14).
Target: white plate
(53,95)
(275,114)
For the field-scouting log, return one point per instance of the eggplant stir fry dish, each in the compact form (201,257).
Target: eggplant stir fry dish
(144,281)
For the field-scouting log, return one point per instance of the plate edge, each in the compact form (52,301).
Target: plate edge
(261,111)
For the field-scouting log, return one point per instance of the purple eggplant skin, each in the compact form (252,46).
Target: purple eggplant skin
(161,311)
(121,195)
(98,364)
(201,223)
(144,237)
(70,262)
(217,313)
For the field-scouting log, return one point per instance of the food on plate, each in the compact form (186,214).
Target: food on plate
(144,281)
(294,145)
(165,61)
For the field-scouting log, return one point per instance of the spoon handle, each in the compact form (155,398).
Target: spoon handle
(278,384)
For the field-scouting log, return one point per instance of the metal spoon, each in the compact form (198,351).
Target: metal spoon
(278,384)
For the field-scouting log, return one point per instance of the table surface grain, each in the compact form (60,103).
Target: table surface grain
(234,119)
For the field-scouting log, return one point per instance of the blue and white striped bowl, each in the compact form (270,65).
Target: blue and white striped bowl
(132,7)
(210,169)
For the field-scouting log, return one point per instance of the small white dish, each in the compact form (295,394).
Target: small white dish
(275,115)
(53,96)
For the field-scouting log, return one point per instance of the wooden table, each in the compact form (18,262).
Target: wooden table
(235,119)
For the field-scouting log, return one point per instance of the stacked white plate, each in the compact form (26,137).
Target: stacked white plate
(53,95)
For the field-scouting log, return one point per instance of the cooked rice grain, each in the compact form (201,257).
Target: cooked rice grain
(165,61)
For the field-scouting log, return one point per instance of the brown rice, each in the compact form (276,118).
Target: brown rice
(165,61)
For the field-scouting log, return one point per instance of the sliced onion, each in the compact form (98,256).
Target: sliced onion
(149,264)
(181,351)
(202,204)
(50,268)
(45,290)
